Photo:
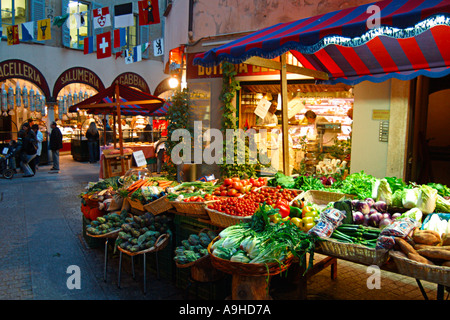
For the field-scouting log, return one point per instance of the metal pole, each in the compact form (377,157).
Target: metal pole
(284,119)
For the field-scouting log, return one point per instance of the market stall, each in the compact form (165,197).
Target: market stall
(124,101)
(268,226)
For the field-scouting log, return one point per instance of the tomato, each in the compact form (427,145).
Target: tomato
(237,185)
(228,182)
(231,192)
(236,179)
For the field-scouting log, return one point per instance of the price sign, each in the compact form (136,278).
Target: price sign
(5,150)
(139,157)
(262,108)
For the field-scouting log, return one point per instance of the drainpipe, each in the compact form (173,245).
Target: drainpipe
(191,14)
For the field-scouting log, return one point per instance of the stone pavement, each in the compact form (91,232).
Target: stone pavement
(41,236)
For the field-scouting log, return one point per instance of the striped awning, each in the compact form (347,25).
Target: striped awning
(412,38)
(102,103)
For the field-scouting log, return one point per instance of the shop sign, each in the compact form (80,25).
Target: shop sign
(23,70)
(242,69)
(380,114)
(78,75)
(134,80)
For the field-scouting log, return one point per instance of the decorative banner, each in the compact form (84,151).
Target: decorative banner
(88,45)
(27,29)
(12,33)
(10,98)
(32,102)
(104,45)
(44,30)
(148,12)
(133,54)
(80,19)
(102,18)
(119,38)
(18,95)
(59,20)
(123,15)
(158,47)
(4,101)
(25,97)
(43,105)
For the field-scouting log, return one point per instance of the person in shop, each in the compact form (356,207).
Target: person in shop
(109,134)
(55,145)
(146,135)
(39,139)
(270,118)
(29,150)
(92,137)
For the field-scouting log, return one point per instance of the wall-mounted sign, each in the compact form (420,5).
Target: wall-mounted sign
(242,69)
(139,158)
(23,70)
(78,75)
(134,80)
(380,114)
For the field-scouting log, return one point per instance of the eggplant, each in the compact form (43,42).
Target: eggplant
(380,206)
(370,201)
(358,217)
(384,223)
(363,207)
(374,219)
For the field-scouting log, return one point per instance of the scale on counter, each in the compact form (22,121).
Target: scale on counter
(326,126)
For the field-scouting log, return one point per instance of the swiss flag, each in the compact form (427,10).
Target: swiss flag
(104,45)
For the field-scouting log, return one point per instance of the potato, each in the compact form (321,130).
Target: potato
(435,254)
(425,246)
(419,258)
(404,246)
(445,239)
(426,238)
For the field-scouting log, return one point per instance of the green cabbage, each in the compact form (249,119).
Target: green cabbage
(411,198)
(427,199)
(442,205)
(397,197)
(384,192)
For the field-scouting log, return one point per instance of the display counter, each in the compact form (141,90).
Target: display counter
(80,150)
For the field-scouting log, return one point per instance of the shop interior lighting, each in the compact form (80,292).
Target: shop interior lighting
(173,82)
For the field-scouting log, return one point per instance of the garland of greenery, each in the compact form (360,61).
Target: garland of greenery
(178,115)
(229,121)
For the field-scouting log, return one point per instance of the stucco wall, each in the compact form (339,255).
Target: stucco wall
(230,16)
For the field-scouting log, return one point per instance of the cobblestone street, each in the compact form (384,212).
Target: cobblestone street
(41,228)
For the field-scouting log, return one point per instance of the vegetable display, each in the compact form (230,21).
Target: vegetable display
(356,234)
(194,247)
(141,232)
(260,241)
(108,223)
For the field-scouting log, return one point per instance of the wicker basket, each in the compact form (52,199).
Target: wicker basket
(225,220)
(421,271)
(354,252)
(160,244)
(109,235)
(158,206)
(135,204)
(322,198)
(249,269)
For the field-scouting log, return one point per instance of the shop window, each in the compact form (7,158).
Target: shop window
(79,23)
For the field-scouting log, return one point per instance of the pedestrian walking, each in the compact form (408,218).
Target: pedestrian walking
(55,145)
(39,139)
(93,136)
(27,152)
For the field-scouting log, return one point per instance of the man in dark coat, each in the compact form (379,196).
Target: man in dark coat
(55,145)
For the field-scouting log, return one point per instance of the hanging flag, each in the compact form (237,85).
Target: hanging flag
(59,21)
(27,29)
(104,45)
(44,29)
(102,18)
(80,19)
(158,47)
(119,38)
(133,54)
(148,12)
(123,15)
(88,45)
(119,54)
(12,33)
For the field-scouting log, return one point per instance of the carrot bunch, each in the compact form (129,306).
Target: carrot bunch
(138,184)
(164,183)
